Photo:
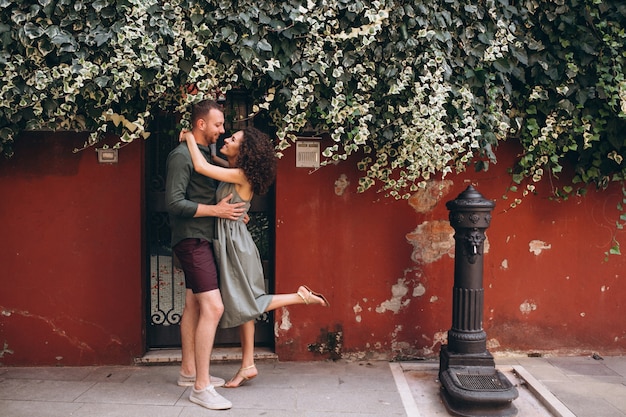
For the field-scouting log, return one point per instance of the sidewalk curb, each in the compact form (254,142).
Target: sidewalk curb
(404,390)
(542,393)
(173,356)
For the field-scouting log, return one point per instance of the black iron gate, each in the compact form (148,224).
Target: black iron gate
(166,285)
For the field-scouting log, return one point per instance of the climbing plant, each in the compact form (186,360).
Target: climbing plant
(571,100)
(418,89)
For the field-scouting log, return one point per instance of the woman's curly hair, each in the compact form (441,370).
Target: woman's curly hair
(257,159)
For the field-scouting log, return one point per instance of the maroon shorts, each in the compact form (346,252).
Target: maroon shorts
(198,264)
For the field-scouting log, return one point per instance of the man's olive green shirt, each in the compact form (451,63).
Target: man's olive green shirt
(184,189)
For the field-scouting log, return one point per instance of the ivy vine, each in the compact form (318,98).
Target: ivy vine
(419,89)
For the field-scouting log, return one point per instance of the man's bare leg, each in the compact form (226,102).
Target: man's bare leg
(188,325)
(210,310)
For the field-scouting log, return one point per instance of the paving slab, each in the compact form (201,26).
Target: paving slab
(17,408)
(586,385)
(39,390)
(548,387)
(130,410)
(423,380)
(47,373)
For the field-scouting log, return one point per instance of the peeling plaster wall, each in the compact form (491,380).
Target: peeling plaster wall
(71,254)
(348,246)
(72,262)
(387,266)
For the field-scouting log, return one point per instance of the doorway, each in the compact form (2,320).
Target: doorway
(165,282)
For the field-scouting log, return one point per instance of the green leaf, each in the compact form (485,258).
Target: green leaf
(33,31)
(264,45)
(247,54)
(519,54)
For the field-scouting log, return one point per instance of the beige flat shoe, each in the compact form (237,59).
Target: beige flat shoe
(240,374)
(307,297)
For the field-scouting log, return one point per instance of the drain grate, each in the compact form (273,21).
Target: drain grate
(480,382)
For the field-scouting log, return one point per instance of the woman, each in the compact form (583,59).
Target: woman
(252,161)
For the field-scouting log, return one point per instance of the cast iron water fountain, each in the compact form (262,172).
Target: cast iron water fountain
(471,384)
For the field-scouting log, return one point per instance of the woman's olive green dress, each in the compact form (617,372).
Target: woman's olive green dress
(242,283)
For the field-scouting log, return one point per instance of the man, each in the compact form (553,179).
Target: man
(192,207)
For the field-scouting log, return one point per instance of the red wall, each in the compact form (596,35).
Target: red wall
(72,278)
(71,254)
(387,267)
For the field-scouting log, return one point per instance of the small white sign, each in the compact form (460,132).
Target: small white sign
(307,154)
(107,156)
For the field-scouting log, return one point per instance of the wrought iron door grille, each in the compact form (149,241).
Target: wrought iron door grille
(167,284)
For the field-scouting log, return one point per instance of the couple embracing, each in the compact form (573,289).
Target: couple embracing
(207,204)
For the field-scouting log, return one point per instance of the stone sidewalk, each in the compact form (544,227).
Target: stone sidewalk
(557,386)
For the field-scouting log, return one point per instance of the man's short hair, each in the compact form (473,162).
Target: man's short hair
(202,108)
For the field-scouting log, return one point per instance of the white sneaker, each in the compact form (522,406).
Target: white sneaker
(188,381)
(210,399)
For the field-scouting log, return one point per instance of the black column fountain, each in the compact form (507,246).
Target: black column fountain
(471,385)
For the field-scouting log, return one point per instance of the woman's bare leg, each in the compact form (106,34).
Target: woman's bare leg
(303,296)
(246,334)
(247,370)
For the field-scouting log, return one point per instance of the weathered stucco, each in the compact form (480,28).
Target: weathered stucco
(397,300)
(73,273)
(537,246)
(431,241)
(74,263)
(426,199)
(393,296)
